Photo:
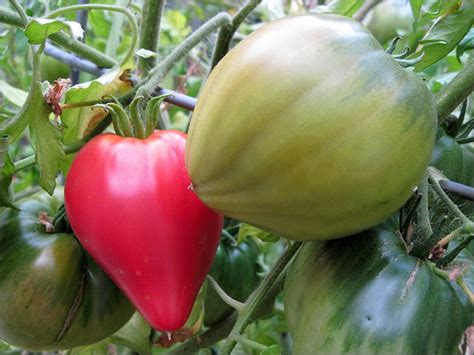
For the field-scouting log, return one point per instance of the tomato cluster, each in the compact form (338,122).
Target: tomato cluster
(321,141)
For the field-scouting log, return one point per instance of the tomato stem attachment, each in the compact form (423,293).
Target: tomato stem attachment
(239,306)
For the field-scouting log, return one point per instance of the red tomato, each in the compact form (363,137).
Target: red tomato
(129,203)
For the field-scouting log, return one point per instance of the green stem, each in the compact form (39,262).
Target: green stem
(239,306)
(465,140)
(254,301)
(445,260)
(158,73)
(64,41)
(454,93)
(3,150)
(422,243)
(434,179)
(227,32)
(21,12)
(113,8)
(250,343)
(152,11)
(206,338)
(423,210)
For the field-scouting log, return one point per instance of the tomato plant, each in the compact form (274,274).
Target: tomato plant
(133,194)
(303,124)
(53,294)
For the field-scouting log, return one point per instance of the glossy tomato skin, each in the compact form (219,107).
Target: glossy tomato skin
(364,295)
(235,269)
(316,132)
(129,202)
(43,275)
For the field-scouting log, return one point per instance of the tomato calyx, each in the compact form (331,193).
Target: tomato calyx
(137,122)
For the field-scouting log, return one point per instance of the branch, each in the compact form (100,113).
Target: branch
(454,93)
(81,18)
(72,60)
(461,190)
(156,75)
(150,32)
(123,10)
(21,12)
(64,41)
(227,32)
(364,10)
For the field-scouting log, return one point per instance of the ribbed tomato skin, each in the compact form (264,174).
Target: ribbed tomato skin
(129,203)
(308,129)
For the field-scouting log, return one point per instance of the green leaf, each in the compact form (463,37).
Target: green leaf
(12,94)
(134,335)
(271,350)
(345,7)
(79,121)
(416,8)
(246,230)
(444,35)
(46,141)
(15,126)
(39,30)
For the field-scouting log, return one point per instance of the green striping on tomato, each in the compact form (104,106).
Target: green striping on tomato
(364,295)
(316,132)
(43,277)
(235,269)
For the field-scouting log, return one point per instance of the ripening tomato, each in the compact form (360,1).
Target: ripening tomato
(129,202)
(309,129)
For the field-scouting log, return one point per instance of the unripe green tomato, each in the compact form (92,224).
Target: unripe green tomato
(52,69)
(365,295)
(310,130)
(53,296)
(390,18)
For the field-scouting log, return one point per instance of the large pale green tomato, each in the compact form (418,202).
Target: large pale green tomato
(308,129)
